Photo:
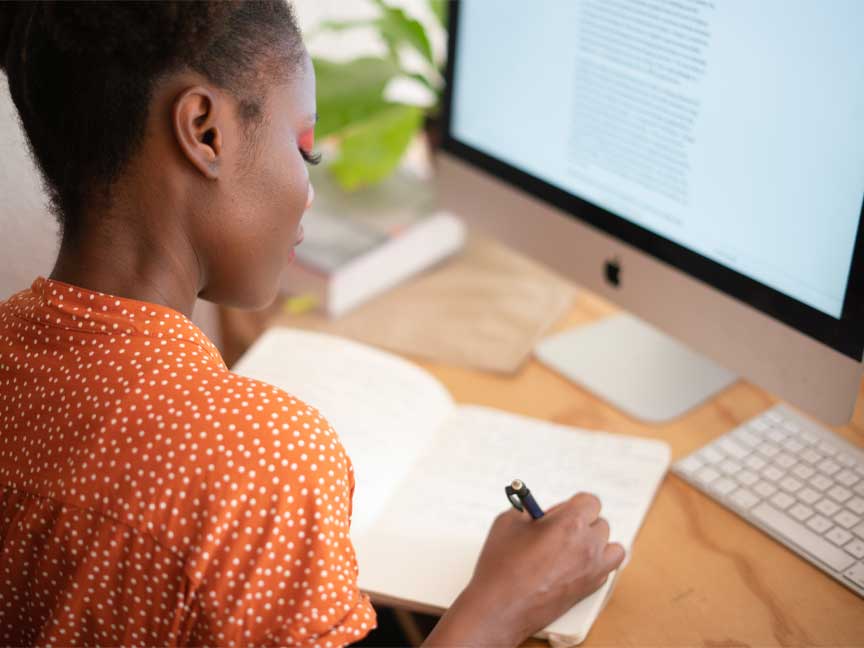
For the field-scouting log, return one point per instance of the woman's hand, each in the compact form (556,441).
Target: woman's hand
(529,573)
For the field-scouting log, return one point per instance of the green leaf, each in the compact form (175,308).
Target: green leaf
(342,25)
(422,79)
(440,8)
(336,26)
(350,92)
(398,28)
(371,150)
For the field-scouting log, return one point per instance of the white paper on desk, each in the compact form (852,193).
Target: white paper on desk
(424,545)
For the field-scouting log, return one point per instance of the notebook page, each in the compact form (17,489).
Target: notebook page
(443,511)
(385,409)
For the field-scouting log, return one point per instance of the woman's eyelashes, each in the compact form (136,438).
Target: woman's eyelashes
(311,158)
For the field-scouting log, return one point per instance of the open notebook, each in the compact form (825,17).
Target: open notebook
(430,474)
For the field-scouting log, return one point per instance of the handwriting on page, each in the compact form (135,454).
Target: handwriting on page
(462,476)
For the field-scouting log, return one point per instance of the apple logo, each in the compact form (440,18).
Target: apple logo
(612,269)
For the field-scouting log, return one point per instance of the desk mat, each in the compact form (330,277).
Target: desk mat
(484,308)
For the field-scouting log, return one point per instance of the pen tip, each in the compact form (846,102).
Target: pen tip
(516,484)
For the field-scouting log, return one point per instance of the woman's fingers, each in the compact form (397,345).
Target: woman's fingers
(585,506)
(613,556)
(601,528)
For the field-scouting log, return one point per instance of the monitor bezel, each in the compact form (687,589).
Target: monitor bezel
(845,335)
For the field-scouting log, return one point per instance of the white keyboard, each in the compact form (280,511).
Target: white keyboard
(795,480)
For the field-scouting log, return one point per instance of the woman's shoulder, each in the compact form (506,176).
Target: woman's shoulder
(230,447)
(227,416)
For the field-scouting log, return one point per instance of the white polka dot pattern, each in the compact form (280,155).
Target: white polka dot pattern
(152,497)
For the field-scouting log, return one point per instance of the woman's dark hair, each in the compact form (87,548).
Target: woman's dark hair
(81,76)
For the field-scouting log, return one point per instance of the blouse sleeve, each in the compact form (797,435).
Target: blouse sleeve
(280,568)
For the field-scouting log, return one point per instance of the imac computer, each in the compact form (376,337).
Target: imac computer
(699,163)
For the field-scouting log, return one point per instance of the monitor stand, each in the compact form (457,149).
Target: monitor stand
(630,364)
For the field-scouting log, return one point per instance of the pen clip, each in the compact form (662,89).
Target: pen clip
(513,496)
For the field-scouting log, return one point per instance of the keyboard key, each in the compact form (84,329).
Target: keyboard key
(793,445)
(847,478)
(821,482)
(759,425)
(856,505)
(748,478)
(710,455)
(856,548)
(776,435)
(803,472)
(827,448)
(839,536)
(782,500)
(800,512)
(745,437)
(845,459)
(856,574)
(689,465)
(859,487)
(785,460)
(819,524)
(772,417)
(829,467)
(808,495)
(769,450)
(807,436)
(707,475)
(839,494)
(754,462)
(846,519)
(730,467)
(859,530)
(800,535)
(827,507)
(731,447)
(811,456)
(744,498)
(724,485)
(773,473)
(790,484)
(791,427)
(765,489)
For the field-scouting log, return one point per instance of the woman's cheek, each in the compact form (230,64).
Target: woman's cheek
(310,196)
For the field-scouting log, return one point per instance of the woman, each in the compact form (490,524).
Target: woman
(149,495)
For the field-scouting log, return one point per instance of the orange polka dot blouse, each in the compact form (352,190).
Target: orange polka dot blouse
(152,497)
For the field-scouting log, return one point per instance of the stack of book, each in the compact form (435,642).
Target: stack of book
(359,244)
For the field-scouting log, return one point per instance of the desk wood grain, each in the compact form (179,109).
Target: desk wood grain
(699,575)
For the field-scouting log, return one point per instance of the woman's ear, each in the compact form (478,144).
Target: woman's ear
(195,115)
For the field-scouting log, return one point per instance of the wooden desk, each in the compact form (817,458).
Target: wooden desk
(699,574)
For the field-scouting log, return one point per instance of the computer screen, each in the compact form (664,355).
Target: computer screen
(734,129)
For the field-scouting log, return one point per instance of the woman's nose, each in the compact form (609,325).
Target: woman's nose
(310,196)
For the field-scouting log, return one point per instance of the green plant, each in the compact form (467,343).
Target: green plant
(370,133)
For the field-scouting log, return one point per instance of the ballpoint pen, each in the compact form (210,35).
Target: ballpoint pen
(521,499)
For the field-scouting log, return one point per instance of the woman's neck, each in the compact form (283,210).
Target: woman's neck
(130,256)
